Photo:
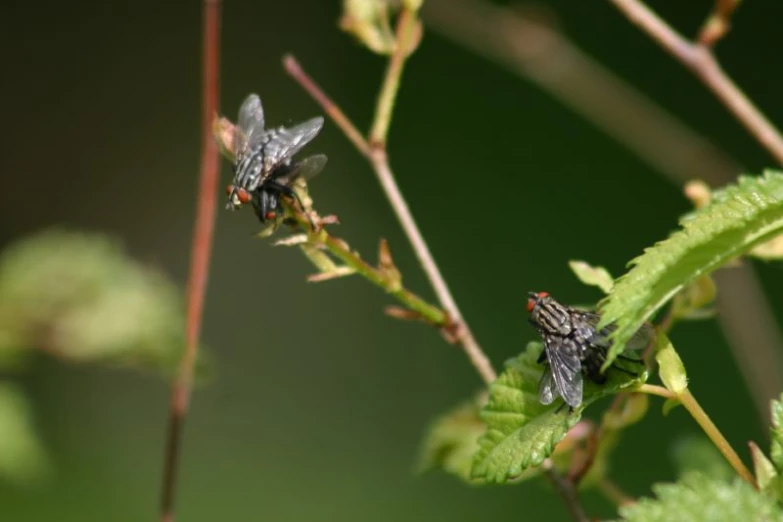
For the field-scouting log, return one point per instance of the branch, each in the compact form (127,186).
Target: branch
(567,491)
(339,249)
(544,55)
(712,431)
(698,58)
(379,161)
(199,263)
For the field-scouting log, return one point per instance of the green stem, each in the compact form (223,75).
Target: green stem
(660,391)
(613,493)
(406,24)
(701,417)
(340,249)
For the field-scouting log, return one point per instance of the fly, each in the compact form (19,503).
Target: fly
(573,346)
(264,167)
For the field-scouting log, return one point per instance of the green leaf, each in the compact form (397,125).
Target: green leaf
(690,302)
(452,440)
(592,275)
(698,453)
(776,434)
(522,432)
(670,367)
(79,297)
(740,217)
(698,498)
(669,405)
(23,459)
(767,477)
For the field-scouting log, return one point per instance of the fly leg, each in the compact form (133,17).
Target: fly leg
(291,193)
(560,408)
(630,359)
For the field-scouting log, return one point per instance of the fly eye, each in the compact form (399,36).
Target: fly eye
(543,294)
(530,305)
(229,189)
(243,196)
(270,215)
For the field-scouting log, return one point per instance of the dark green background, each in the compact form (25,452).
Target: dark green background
(321,400)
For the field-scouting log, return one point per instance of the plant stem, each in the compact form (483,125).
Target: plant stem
(536,50)
(384,108)
(200,256)
(699,415)
(340,249)
(379,162)
(350,130)
(698,58)
(566,490)
(616,495)
(660,391)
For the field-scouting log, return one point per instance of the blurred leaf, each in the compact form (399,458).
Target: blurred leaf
(522,432)
(633,410)
(698,453)
(767,477)
(698,498)
(669,405)
(739,217)
(23,459)
(452,440)
(369,22)
(670,367)
(592,275)
(776,434)
(689,303)
(79,297)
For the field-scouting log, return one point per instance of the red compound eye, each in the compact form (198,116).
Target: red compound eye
(229,189)
(531,302)
(270,215)
(243,196)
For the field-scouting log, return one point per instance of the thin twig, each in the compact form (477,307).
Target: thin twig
(703,420)
(579,468)
(379,161)
(544,55)
(654,389)
(566,490)
(698,58)
(353,134)
(751,328)
(712,431)
(613,492)
(384,107)
(201,249)
(340,249)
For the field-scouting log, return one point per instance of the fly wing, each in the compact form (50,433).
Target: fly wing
(306,169)
(284,143)
(563,355)
(547,391)
(638,341)
(250,124)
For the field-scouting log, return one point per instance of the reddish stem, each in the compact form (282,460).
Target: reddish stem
(203,232)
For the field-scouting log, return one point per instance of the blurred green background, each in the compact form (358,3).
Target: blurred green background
(320,400)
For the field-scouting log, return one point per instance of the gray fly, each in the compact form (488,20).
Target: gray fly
(264,166)
(573,346)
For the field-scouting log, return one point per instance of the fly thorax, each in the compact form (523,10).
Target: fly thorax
(249,169)
(553,318)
